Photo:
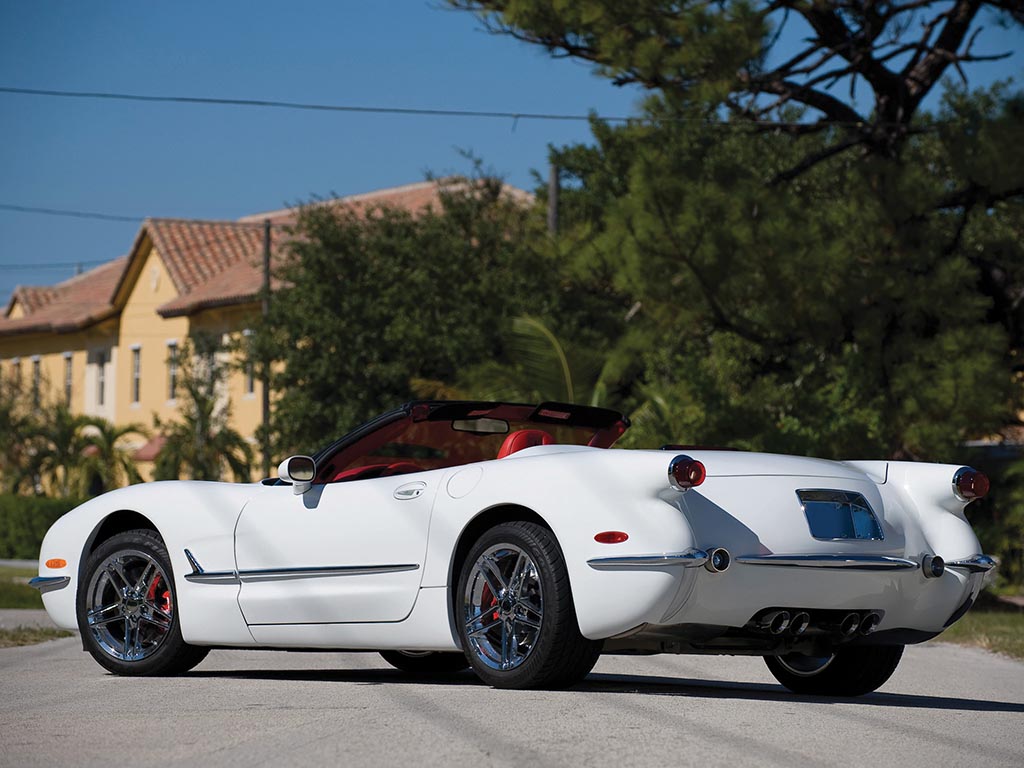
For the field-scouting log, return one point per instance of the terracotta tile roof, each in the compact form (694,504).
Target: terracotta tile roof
(151,449)
(67,306)
(211,263)
(411,197)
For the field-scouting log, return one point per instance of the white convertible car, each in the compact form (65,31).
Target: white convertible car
(510,538)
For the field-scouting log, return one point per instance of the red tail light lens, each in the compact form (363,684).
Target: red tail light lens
(611,537)
(970,484)
(685,473)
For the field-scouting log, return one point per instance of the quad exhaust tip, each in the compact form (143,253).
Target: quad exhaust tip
(776,622)
(870,623)
(801,621)
(849,625)
(718,560)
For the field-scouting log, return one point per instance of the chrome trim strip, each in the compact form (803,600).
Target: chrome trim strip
(199,576)
(49,583)
(691,558)
(849,562)
(213,577)
(271,574)
(974,564)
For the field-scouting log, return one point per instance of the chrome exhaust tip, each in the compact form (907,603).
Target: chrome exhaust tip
(933,566)
(718,560)
(848,626)
(776,622)
(801,621)
(870,623)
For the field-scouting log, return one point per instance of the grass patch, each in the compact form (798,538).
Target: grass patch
(999,631)
(15,591)
(10,638)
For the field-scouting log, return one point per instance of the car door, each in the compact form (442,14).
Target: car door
(340,552)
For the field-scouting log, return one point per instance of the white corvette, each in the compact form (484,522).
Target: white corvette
(511,539)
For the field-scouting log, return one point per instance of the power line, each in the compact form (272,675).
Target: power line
(268,103)
(53,265)
(120,217)
(74,214)
(414,111)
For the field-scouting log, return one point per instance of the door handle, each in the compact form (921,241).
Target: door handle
(410,491)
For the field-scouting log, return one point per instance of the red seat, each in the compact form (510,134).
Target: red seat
(524,438)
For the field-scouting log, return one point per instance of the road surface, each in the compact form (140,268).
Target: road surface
(945,706)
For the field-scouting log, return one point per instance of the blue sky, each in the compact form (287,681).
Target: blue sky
(224,162)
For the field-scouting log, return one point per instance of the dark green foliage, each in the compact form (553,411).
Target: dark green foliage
(24,521)
(372,301)
(201,445)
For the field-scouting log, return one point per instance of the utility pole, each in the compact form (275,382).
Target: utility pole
(553,200)
(265,364)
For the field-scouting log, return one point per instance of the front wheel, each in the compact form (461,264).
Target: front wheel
(846,672)
(516,617)
(127,609)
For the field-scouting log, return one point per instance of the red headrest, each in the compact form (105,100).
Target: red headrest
(524,438)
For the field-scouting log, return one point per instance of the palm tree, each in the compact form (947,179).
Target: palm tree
(202,444)
(19,424)
(58,450)
(108,455)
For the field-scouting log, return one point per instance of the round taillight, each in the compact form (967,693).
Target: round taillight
(685,473)
(970,484)
(611,537)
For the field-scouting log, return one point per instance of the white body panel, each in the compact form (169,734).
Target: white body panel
(747,505)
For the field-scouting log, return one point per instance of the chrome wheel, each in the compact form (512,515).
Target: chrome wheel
(129,610)
(802,665)
(503,607)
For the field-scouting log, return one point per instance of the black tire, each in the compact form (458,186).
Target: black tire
(541,646)
(847,672)
(426,663)
(127,608)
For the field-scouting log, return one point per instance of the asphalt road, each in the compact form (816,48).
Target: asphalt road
(945,706)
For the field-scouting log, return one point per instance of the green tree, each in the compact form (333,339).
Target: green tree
(372,301)
(728,54)
(18,423)
(108,455)
(202,445)
(58,447)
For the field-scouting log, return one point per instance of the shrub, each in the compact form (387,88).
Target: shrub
(24,521)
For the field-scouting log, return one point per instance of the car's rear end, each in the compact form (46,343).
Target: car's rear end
(792,553)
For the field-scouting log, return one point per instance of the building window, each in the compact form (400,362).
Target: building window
(67,379)
(37,375)
(136,373)
(172,369)
(101,377)
(16,373)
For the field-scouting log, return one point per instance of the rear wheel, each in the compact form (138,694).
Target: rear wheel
(516,617)
(127,609)
(846,672)
(426,663)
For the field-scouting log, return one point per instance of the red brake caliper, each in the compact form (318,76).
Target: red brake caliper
(488,595)
(165,597)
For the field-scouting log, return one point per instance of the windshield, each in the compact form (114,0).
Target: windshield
(433,435)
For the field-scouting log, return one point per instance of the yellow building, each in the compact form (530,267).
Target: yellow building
(104,341)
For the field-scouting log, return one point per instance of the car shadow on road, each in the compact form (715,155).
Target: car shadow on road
(643,685)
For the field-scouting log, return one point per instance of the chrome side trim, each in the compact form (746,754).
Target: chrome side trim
(691,558)
(974,564)
(49,583)
(199,576)
(850,562)
(317,573)
(213,577)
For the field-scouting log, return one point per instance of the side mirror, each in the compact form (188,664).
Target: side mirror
(299,471)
